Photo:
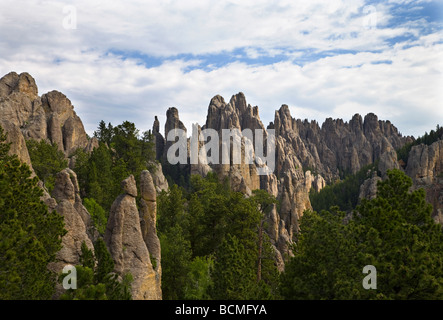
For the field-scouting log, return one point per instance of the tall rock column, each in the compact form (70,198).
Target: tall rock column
(77,222)
(127,246)
(425,167)
(148,217)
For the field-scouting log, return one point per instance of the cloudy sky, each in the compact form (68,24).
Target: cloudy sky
(131,60)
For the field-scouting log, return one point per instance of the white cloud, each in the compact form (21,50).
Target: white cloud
(105,86)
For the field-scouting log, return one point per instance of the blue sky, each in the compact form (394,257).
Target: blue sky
(132,60)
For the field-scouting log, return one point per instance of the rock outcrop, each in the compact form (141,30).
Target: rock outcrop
(24,115)
(235,115)
(337,145)
(368,190)
(148,217)
(425,167)
(160,182)
(388,160)
(127,235)
(307,156)
(76,218)
(425,163)
(50,117)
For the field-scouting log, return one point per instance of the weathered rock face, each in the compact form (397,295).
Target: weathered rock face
(235,115)
(127,238)
(368,190)
(159,141)
(18,143)
(306,156)
(77,221)
(130,235)
(425,162)
(51,117)
(425,167)
(160,182)
(24,83)
(70,132)
(339,145)
(388,161)
(148,217)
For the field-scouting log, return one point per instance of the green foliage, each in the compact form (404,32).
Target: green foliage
(393,232)
(47,160)
(80,159)
(176,258)
(176,248)
(122,151)
(171,209)
(95,277)
(208,213)
(30,235)
(98,214)
(104,133)
(197,231)
(409,255)
(263,200)
(234,279)
(176,174)
(199,279)
(343,194)
(128,147)
(4,146)
(323,259)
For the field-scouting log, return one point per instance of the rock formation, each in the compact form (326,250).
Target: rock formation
(50,117)
(128,234)
(368,190)
(337,145)
(425,167)
(76,218)
(160,182)
(306,156)
(148,217)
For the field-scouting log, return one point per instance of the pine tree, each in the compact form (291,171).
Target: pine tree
(234,277)
(176,259)
(30,235)
(199,279)
(393,232)
(409,250)
(98,214)
(95,277)
(47,160)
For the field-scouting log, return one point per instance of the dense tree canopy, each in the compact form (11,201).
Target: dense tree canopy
(122,151)
(344,194)
(393,232)
(213,244)
(47,160)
